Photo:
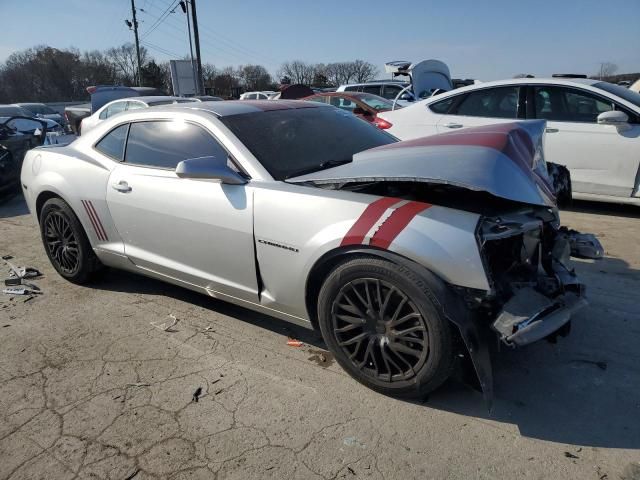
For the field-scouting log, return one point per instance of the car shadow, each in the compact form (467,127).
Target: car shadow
(581,391)
(12,204)
(127,282)
(602,208)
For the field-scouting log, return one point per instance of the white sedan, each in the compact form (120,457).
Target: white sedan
(128,103)
(593,127)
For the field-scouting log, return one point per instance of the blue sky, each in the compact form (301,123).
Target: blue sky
(487,39)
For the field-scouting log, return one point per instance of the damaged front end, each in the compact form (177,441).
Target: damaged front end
(534,291)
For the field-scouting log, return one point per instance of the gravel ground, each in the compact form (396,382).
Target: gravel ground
(90,389)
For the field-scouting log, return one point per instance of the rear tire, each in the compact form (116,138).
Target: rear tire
(66,242)
(382,324)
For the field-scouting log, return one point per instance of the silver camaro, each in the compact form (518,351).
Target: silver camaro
(405,255)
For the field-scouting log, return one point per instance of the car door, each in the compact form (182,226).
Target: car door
(602,159)
(485,106)
(197,231)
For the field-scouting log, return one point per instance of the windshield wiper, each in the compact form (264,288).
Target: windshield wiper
(321,166)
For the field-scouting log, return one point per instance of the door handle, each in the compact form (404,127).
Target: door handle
(551,130)
(121,186)
(453,125)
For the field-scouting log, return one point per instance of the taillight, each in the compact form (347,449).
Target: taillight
(381,123)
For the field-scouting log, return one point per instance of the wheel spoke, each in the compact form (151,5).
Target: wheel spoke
(350,319)
(401,348)
(352,340)
(348,328)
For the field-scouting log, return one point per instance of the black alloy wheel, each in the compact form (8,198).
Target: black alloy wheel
(380,329)
(66,242)
(61,242)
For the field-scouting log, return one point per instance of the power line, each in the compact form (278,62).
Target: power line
(216,38)
(161,19)
(160,49)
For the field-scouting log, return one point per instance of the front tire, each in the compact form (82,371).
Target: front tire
(66,243)
(384,327)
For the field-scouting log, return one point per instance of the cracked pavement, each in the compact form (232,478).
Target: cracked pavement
(89,389)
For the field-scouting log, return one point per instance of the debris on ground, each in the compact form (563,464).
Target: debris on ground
(166,326)
(133,474)
(16,281)
(138,384)
(292,342)
(196,394)
(570,455)
(20,291)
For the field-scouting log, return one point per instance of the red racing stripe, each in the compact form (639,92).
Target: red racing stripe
(104,233)
(368,219)
(397,222)
(93,221)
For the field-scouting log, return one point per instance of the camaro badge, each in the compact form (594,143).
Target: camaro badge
(279,245)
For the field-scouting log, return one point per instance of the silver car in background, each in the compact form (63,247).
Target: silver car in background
(405,255)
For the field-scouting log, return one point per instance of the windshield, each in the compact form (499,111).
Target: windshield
(376,102)
(11,111)
(622,92)
(291,142)
(38,109)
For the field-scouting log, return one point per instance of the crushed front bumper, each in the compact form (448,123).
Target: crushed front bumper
(530,316)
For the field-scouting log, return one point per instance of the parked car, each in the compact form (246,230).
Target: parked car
(424,79)
(206,98)
(635,86)
(257,95)
(101,95)
(593,127)
(13,147)
(386,89)
(129,103)
(363,105)
(400,253)
(25,122)
(41,110)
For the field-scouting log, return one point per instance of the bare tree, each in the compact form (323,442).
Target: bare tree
(125,62)
(607,69)
(254,77)
(298,71)
(363,71)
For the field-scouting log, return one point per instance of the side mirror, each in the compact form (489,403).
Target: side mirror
(212,168)
(406,97)
(613,117)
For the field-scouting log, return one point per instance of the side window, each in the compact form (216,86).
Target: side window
(443,106)
(501,102)
(134,105)
(317,99)
(563,104)
(373,89)
(351,88)
(164,144)
(391,91)
(112,144)
(116,108)
(343,103)
(252,96)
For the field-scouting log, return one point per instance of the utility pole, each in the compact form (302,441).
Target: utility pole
(184,4)
(135,32)
(196,38)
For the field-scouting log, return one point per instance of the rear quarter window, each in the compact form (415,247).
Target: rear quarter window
(112,144)
(442,106)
